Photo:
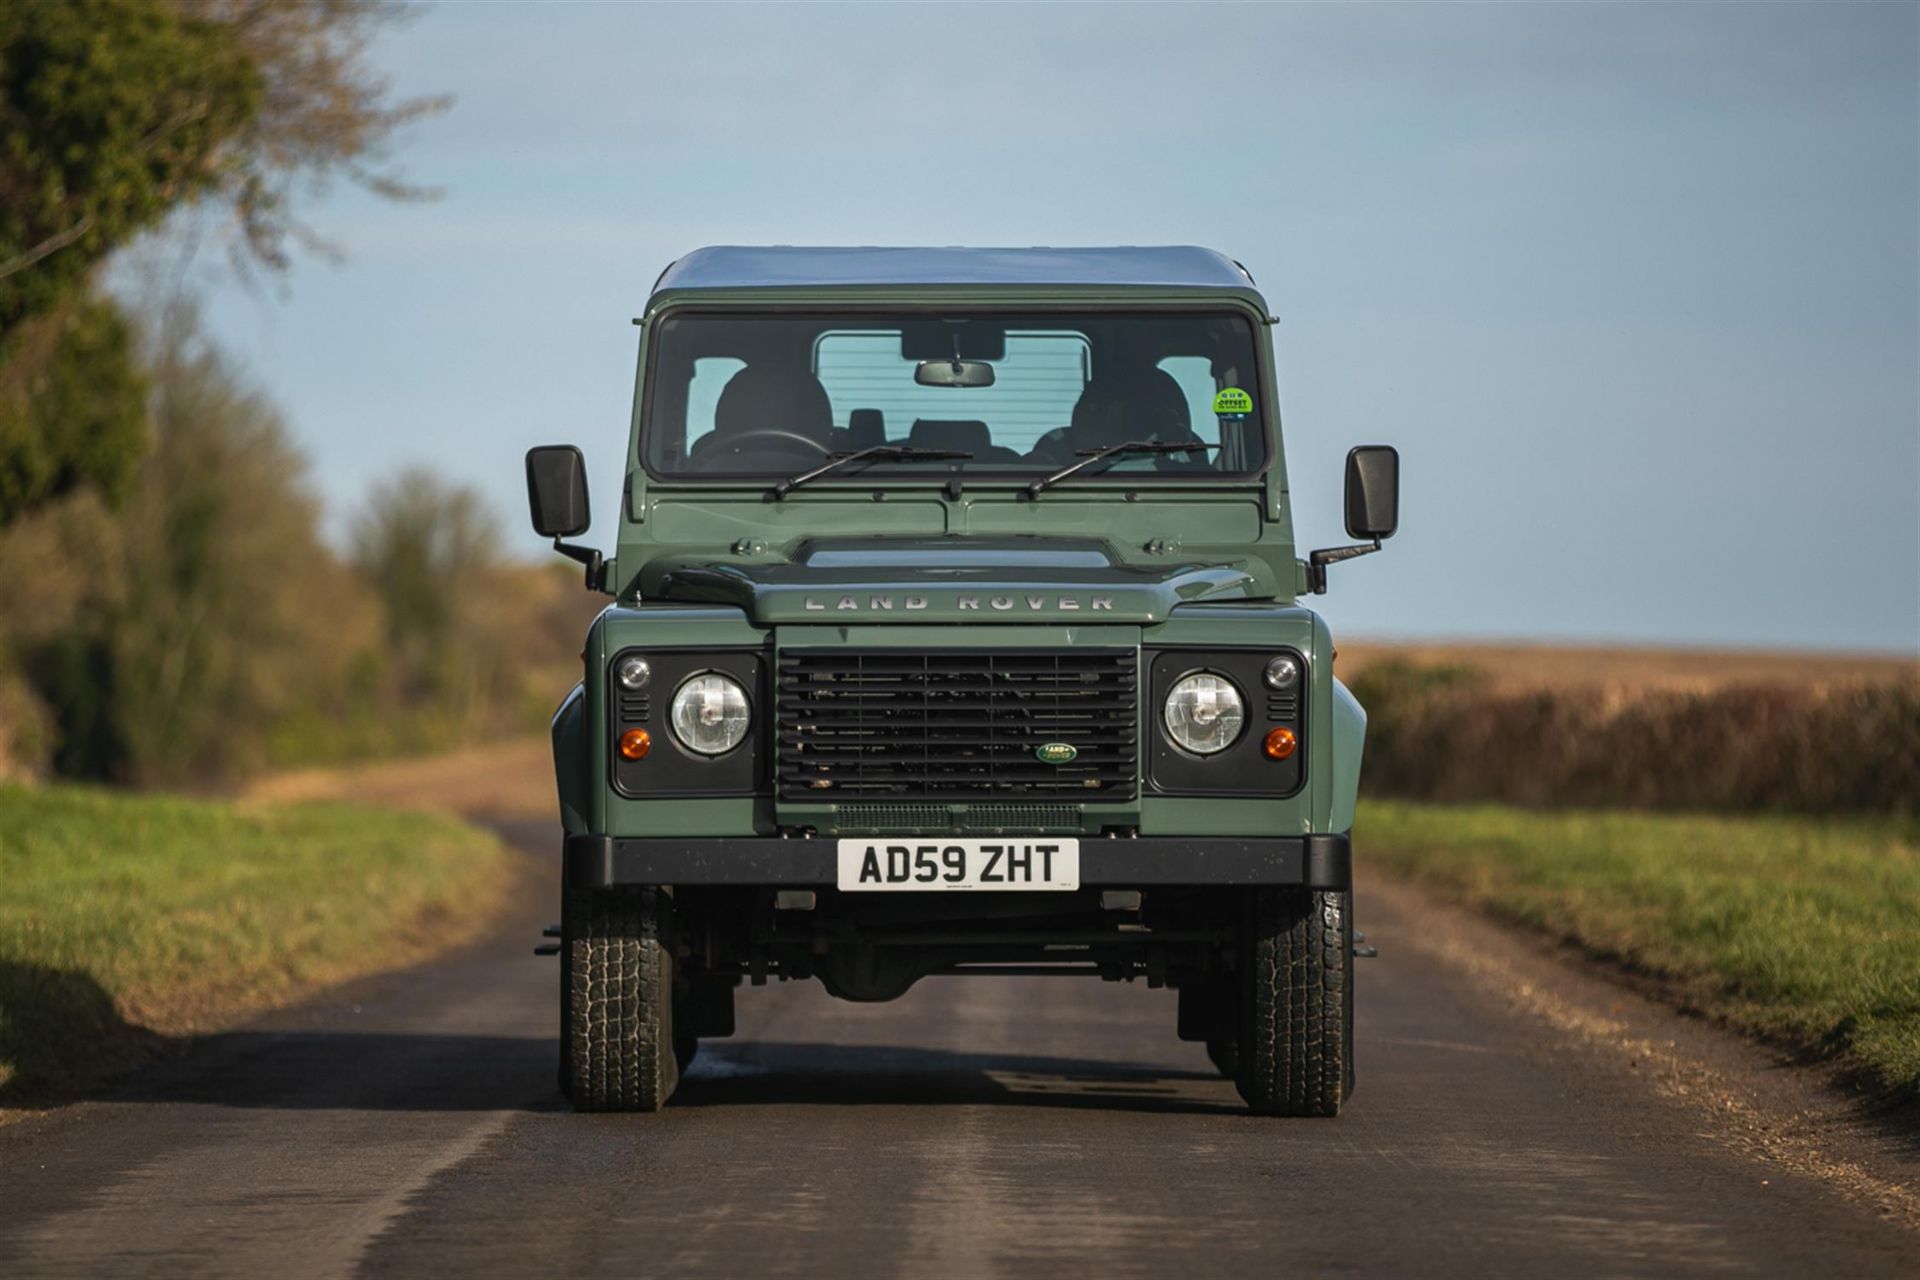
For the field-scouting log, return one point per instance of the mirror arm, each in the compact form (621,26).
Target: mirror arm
(1317,562)
(595,562)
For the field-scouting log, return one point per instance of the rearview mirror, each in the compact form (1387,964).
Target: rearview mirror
(557,490)
(953,373)
(1373,491)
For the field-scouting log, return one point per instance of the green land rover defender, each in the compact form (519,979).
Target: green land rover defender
(956,631)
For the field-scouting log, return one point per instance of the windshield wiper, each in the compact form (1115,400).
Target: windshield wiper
(1090,456)
(875,453)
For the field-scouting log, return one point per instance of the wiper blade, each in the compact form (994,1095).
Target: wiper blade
(1089,457)
(874,453)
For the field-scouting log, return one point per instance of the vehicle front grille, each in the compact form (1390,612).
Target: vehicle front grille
(897,724)
(940,818)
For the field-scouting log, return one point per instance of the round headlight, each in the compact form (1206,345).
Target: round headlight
(1204,713)
(710,714)
(1282,672)
(633,672)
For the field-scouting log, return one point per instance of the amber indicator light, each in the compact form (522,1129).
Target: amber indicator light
(1280,744)
(635,743)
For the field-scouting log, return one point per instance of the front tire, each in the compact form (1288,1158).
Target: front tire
(1296,1042)
(617,1018)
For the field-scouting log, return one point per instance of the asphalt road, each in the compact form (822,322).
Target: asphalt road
(408,1126)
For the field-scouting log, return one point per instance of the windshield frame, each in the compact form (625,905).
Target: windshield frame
(902,475)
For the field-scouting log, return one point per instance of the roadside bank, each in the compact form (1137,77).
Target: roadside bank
(132,920)
(1804,931)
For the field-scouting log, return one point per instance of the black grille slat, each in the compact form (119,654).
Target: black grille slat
(911,817)
(959,758)
(895,725)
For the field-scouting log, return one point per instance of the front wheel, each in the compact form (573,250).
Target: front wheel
(1296,1041)
(617,1017)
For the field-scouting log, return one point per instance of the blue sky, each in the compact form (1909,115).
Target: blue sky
(1635,288)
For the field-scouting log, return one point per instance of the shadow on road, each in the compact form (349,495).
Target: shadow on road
(354,1070)
(758,1073)
(314,1070)
(61,1035)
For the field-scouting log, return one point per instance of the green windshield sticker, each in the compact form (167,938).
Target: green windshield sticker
(1232,400)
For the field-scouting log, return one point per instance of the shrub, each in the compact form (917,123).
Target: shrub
(1743,747)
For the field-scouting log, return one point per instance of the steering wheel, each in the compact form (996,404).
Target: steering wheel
(716,444)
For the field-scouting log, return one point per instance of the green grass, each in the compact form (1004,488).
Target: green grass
(128,917)
(1802,929)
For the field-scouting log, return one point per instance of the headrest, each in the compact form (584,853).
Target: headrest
(1149,405)
(776,397)
(951,433)
(1165,404)
(866,428)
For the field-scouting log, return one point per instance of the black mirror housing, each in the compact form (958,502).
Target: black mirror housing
(1373,509)
(1373,491)
(947,340)
(557,490)
(557,497)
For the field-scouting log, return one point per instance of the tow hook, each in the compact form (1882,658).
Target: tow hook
(1362,948)
(548,948)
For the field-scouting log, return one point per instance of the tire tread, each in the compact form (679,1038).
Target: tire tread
(1296,1055)
(618,1020)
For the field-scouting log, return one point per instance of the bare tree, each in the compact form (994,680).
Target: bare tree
(325,115)
(116,114)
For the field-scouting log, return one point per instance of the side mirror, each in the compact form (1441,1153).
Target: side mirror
(1373,491)
(557,491)
(1373,509)
(557,497)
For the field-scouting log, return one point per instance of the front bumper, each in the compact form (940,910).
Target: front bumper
(1313,861)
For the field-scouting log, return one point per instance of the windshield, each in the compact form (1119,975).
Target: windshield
(1021,393)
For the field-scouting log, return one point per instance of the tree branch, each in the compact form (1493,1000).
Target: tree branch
(51,245)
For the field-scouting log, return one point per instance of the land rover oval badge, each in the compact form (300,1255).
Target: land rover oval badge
(1056,752)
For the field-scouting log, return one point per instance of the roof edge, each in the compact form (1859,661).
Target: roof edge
(773,267)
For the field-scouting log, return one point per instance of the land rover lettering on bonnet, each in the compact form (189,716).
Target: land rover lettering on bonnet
(999,604)
(957,627)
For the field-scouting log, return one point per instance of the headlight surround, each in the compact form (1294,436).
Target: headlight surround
(710,714)
(1204,713)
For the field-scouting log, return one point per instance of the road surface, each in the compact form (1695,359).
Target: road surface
(408,1126)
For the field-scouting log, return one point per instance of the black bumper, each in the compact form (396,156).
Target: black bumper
(1315,861)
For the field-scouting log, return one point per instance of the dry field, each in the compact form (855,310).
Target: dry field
(1640,728)
(1515,666)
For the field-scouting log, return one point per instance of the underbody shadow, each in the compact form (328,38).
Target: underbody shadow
(401,1072)
(761,1073)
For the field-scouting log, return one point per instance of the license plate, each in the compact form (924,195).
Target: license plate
(929,865)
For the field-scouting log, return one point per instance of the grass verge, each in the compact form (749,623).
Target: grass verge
(1804,930)
(129,918)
